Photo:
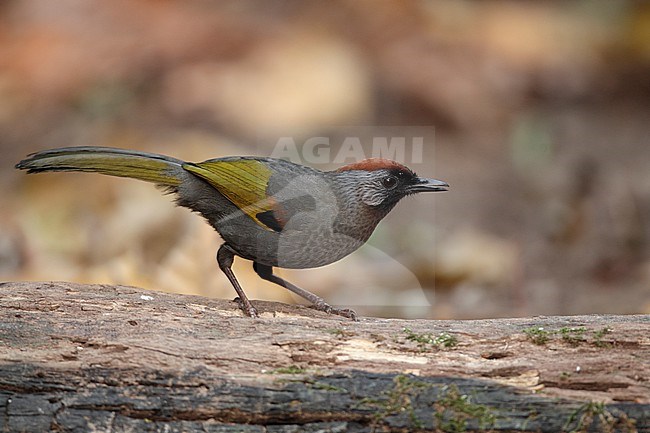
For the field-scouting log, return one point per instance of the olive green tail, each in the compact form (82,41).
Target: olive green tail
(150,167)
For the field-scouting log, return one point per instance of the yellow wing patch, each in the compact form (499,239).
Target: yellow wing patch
(242,181)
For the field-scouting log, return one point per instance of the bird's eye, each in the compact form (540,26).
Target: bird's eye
(389,182)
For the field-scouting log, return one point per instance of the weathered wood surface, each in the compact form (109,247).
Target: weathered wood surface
(79,358)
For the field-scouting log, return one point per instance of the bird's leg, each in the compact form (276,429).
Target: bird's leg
(266,273)
(225,257)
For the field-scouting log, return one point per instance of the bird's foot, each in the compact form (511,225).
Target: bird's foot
(327,308)
(246,307)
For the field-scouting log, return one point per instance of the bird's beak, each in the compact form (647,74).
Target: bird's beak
(428,185)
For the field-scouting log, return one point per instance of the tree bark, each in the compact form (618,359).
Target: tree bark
(84,358)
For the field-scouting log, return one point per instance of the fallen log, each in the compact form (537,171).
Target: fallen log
(83,358)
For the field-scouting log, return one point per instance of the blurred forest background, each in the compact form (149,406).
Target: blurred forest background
(542,127)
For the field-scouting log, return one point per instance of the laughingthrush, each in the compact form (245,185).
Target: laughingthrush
(270,211)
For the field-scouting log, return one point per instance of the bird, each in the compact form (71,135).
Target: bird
(273,212)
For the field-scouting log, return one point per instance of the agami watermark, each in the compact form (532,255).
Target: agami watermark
(402,144)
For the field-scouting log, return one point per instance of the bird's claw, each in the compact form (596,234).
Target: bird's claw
(246,307)
(327,308)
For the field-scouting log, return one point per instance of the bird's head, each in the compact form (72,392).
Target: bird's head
(383,182)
